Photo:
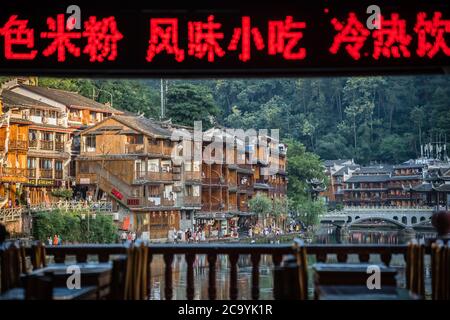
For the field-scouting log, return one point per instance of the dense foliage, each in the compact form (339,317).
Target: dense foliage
(73,228)
(382,119)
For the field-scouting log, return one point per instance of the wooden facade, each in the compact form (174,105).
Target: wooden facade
(143,166)
(128,161)
(42,138)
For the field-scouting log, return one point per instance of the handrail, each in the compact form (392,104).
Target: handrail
(233,251)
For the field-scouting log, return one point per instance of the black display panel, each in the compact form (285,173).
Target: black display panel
(224,38)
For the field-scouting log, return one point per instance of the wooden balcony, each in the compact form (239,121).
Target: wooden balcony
(134,148)
(9,174)
(167,202)
(154,148)
(58,174)
(46,145)
(46,173)
(159,176)
(21,145)
(32,173)
(167,151)
(32,144)
(59,146)
(191,200)
(193,175)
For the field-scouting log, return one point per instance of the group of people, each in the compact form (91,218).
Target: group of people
(186,236)
(55,241)
(129,237)
(258,230)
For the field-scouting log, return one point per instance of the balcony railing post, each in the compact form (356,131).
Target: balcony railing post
(168,291)
(212,258)
(255,275)
(190,258)
(233,276)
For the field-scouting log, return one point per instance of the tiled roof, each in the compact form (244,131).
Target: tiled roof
(329,163)
(70,99)
(374,170)
(369,178)
(416,177)
(143,125)
(13,99)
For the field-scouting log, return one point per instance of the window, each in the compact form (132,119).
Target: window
(166,166)
(58,165)
(47,136)
(51,114)
(32,135)
(93,116)
(36,112)
(197,165)
(196,191)
(59,137)
(135,139)
(90,143)
(188,166)
(31,163)
(153,165)
(45,164)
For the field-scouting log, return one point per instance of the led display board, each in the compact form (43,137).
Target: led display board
(217,38)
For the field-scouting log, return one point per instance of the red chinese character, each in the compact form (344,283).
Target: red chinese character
(282,39)
(437,29)
(203,39)
(102,39)
(245,34)
(166,30)
(353,33)
(61,41)
(391,39)
(16,33)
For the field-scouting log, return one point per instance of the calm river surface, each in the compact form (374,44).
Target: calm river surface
(324,235)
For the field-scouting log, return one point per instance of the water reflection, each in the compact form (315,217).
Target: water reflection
(201,269)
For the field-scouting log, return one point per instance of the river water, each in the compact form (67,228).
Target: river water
(325,235)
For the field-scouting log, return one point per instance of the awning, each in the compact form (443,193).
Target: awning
(126,223)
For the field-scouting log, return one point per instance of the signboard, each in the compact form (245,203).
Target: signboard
(224,38)
(85,180)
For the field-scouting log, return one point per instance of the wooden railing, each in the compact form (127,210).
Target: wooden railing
(134,148)
(18,145)
(46,145)
(16,172)
(59,146)
(192,200)
(46,173)
(32,173)
(318,252)
(192,175)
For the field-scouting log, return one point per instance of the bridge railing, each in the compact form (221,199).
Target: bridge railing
(371,208)
(318,252)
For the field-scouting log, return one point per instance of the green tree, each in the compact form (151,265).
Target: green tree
(309,211)
(188,103)
(260,204)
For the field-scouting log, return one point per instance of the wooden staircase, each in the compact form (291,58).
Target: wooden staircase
(114,186)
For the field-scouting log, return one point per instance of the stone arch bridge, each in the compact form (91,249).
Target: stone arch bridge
(401,217)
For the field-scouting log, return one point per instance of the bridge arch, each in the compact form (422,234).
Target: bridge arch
(392,221)
(413,220)
(404,220)
(422,218)
(395,218)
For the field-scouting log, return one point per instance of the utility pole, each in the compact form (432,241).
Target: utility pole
(162,99)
